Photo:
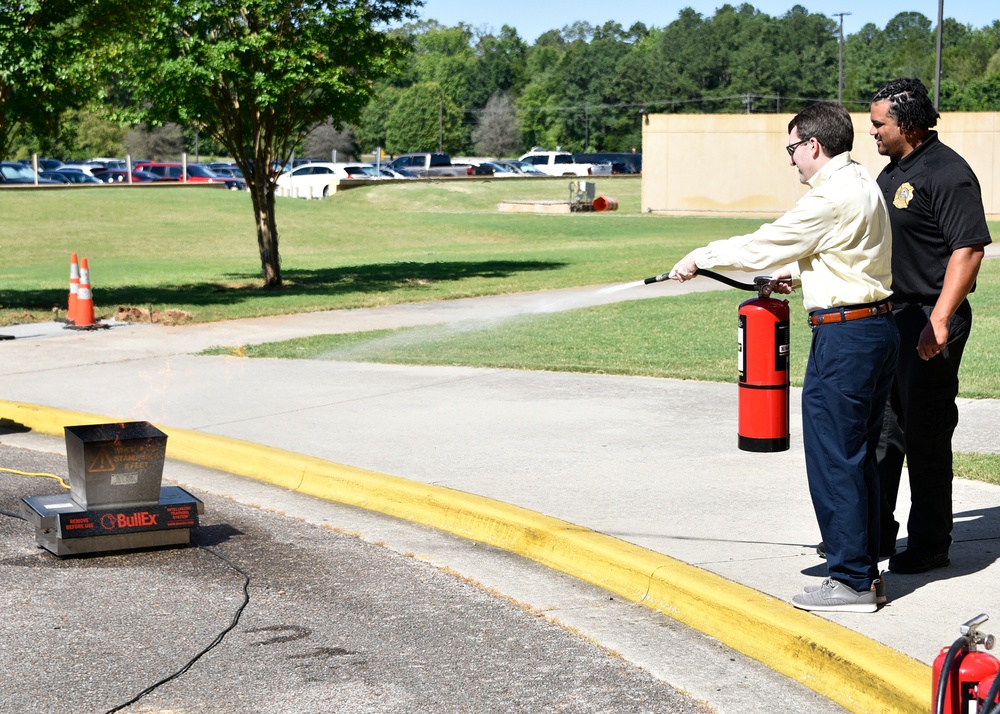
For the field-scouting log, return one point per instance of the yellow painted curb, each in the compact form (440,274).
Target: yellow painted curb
(858,673)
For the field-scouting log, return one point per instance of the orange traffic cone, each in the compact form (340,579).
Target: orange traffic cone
(74,288)
(84,316)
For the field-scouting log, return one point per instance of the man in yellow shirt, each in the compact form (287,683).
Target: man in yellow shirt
(836,244)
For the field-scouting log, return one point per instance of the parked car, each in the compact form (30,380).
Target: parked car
(76,177)
(230,171)
(622,162)
(44,164)
(523,168)
(314,180)
(13,172)
(196,173)
(286,166)
(386,172)
(227,170)
(83,166)
(480,166)
(501,170)
(430,165)
(121,176)
(561,163)
(109,163)
(361,171)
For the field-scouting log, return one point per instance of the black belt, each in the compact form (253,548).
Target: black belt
(846,314)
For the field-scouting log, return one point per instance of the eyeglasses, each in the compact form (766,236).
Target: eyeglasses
(792,147)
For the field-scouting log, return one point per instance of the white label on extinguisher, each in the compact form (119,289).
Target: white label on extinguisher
(741,348)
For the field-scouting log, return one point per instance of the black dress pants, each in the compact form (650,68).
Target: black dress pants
(920,419)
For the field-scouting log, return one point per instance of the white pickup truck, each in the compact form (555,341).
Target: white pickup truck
(562,163)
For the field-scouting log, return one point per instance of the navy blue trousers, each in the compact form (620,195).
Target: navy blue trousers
(848,378)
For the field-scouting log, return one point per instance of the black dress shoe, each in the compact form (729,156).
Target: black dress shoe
(910,561)
(884,550)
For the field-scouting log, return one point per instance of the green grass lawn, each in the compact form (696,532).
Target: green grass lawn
(195,250)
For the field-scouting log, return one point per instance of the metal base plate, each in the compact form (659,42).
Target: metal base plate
(65,528)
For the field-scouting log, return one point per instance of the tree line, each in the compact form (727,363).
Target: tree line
(584,88)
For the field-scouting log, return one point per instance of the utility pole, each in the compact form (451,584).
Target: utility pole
(840,85)
(937,62)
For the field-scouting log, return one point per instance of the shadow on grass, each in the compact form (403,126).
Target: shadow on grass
(235,288)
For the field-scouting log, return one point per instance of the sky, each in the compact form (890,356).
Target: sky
(533,17)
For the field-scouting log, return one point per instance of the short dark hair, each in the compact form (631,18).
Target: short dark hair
(909,104)
(829,123)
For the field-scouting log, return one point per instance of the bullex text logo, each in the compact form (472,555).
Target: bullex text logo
(141,519)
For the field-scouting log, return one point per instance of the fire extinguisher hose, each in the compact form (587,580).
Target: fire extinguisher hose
(709,274)
(957,646)
(991,697)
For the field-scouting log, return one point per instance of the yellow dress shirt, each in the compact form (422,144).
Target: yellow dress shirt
(836,239)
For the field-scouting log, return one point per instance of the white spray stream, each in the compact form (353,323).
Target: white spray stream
(490,318)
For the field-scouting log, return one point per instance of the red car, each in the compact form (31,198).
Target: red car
(196,173)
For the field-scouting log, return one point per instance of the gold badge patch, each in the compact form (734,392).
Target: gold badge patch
(904,194)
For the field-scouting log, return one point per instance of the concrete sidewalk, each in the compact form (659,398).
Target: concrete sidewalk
(649,462)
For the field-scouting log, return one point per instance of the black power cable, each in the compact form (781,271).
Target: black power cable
(215,642)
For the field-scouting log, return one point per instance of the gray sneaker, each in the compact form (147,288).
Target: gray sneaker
(878,586)
(834,596)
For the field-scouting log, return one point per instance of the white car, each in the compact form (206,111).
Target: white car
(87,168)
(562,163)
(315,180)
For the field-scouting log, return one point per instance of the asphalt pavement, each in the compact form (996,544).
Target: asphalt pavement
(345,611)
(645,471)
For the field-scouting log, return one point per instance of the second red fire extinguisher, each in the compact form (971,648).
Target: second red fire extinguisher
(963,674)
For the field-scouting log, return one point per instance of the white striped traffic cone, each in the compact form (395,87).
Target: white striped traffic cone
(74,288)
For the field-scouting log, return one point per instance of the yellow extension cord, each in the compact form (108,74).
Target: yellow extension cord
(41,475)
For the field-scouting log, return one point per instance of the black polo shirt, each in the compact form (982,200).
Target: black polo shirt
(935,207)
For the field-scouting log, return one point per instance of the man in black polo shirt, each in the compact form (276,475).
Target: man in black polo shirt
(938,235)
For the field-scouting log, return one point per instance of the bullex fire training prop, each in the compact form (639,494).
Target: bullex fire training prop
(116,501)
(762,363)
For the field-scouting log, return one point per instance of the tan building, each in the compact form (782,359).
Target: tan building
(736,165)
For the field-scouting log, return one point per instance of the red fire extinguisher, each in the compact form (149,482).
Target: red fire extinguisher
(963,674)
(762,360)
(764,383)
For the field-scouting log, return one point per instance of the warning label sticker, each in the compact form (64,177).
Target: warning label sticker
(102,463)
